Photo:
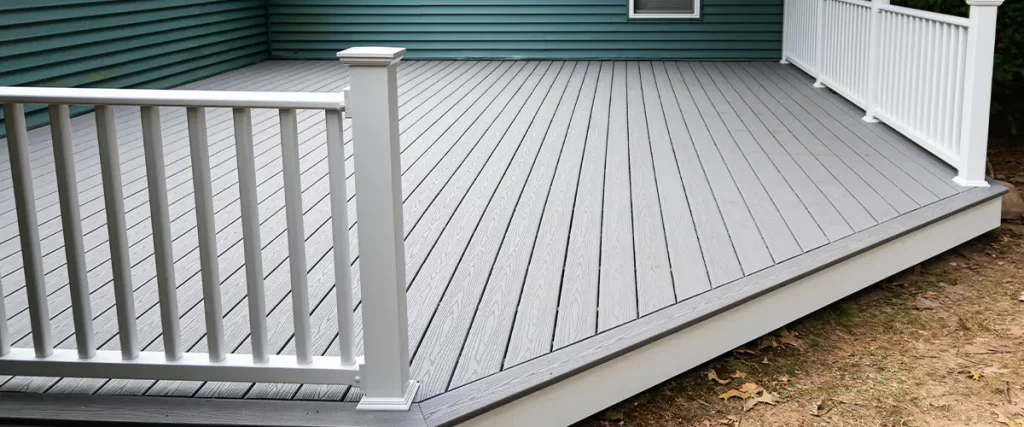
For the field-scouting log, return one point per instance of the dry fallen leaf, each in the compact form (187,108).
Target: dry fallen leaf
(732,393)
(767,397)
(767,342)
(784,379)
(713,376)
(975,375)
(747,390)
(1003,419)
(765,360)
(739,374)
(750,388)
(739,351)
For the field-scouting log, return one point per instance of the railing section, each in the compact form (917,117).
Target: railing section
(383,374)
(927,75)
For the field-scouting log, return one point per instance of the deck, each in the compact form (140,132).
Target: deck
(547,204)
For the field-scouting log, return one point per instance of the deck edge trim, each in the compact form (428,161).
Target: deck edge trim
(155,410)
(467,401)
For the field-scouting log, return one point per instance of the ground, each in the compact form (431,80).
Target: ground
(941,344)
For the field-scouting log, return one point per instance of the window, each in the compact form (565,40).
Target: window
(664,8)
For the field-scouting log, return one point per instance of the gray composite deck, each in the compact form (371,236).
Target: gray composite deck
(546,202)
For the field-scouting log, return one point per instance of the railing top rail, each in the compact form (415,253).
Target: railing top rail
(861,3)
(932,16)
(171,98)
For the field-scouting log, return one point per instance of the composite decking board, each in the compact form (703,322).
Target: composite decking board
(482,176)
(654,287)
(463,403)
(834,178)
(617,294)
(919,183)
(468,171)
(435,358)
(458,130)
(688,272)
(535,316)
(577,305)
(720,257)
(770,134)
(29,408)
(179,173)
(510,166)
(525,180)
(237,389)
(899,189)
(502,78)
(767,219)
(848,168)
(936,166)
(749,135)
(747,241)
(320,248)
(484,347)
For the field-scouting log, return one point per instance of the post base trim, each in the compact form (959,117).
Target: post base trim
(964,182)
(389,403)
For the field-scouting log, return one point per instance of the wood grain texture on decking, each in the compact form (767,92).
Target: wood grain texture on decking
(546,203)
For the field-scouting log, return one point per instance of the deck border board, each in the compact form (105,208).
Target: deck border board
(463,403)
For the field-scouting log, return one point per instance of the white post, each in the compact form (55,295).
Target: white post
(374,88)
(786,10)
(874,61)
(819,46)
(981,44)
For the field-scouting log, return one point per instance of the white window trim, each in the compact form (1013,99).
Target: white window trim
(694,15)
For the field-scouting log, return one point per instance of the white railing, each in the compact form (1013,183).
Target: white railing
(927,75)
(382,374)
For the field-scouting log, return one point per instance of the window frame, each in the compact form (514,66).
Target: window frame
(695,15)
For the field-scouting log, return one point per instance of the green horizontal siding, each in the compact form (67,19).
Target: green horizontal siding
(125,44)
(536,29)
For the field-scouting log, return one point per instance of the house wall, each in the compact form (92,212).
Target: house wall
(121,44)
(577,29)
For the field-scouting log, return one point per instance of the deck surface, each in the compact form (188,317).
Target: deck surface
(545,202)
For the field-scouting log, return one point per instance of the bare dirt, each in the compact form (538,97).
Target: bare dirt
(941,344)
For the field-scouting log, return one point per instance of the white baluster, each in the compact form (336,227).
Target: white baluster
(296,235)
(245,156)
(156,177)
(339,228)
(71,221)
(200,151)
(110,166)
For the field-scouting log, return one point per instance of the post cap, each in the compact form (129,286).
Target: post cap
(991,3)
(371,55)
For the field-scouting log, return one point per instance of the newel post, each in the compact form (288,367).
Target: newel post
(385,378)
(874,62)
(819,45)
(981,44)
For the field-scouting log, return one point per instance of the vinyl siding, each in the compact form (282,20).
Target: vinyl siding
(536,29)
(125,44)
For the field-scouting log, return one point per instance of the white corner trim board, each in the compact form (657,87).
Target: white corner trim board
(597,388)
